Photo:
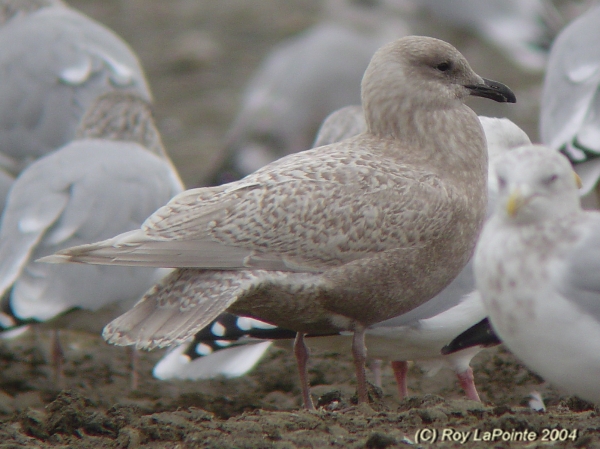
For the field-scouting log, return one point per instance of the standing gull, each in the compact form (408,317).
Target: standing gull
(536,267)
(338,236)
(418,335)
(54,62)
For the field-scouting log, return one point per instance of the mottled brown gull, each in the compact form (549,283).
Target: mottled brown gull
(339,236)
(419,335)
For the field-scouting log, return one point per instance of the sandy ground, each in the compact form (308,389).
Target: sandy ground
(198,55)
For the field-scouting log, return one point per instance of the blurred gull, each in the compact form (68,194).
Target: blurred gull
(570,108)
(302,80)
(54,62)
(522,29)
(536,267)
(334,237)
(105,182)
(418,335)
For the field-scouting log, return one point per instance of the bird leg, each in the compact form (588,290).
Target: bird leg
(301,352)
(375,366)
(400,370)
(359,352)
(467,382)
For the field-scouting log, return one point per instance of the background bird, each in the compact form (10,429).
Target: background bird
(302,80)
(106,181)
(536,270)
(570,102)
(55,62)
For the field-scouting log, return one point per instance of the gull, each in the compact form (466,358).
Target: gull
(54,62)
(302,80)
(338,236)
(418,335)
(536,267)
(570,104)
(106,181)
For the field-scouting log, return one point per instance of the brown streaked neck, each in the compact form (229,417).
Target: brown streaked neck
(420,134)
(122,117)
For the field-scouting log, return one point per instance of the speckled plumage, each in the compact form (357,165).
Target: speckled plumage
(340,234)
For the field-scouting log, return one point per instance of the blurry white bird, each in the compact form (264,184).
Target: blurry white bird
(418,335)
(522,29)
(570,104)
(302,80)
(536,267)
(106,181)
(54,62)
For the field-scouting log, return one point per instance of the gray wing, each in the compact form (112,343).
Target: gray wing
(301,81)
(86,191)
(340,125)
(570,109)
(578,276)
(54,63)
(6,182)
(331,211)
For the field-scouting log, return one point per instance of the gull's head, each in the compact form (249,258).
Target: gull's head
(417,72)
(535,183)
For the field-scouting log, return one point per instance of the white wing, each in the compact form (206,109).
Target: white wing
(87,190)
(570,99)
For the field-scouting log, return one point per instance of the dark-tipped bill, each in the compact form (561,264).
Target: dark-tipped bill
(493,90)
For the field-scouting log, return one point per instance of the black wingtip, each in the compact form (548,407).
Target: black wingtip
(481,334)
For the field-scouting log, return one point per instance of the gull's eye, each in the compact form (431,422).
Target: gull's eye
(501,182)
(444,66)
(550,179)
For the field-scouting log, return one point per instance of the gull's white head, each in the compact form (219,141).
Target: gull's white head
(535,183)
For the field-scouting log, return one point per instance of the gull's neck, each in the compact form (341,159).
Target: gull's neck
(122,119)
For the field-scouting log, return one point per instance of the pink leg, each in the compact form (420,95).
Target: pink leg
(467,383)
(134,359)
(58,358)
(375,366)
(302,354)
(359,351)
(400,370)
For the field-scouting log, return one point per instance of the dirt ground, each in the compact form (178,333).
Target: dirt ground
(96,408)
(198,55)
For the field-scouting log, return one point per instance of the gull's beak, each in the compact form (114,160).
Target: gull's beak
(516,200)
(578,180)
(493,90)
